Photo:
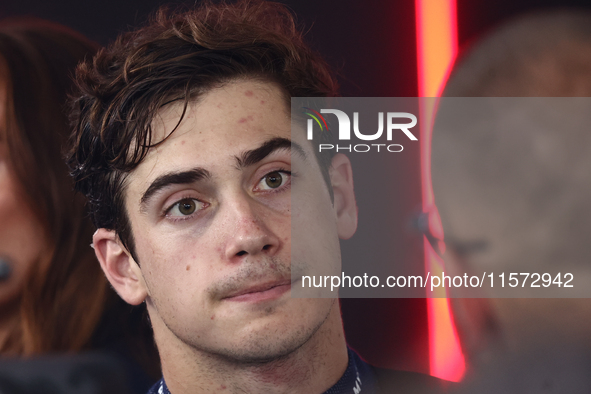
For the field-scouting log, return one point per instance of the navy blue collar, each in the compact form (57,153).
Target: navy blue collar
(357,379)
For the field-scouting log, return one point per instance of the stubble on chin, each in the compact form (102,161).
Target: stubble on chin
(275,346)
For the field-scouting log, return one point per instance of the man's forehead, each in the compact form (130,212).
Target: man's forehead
(223,105)
(217,129)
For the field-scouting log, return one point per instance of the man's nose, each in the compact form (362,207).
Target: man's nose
(248,233)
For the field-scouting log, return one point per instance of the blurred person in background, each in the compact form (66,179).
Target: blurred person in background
(513,192)
(53,296)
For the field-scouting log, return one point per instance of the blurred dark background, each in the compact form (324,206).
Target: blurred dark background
(371,43)
(371,46)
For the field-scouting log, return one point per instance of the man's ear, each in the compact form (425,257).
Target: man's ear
(345,206)
(120,268)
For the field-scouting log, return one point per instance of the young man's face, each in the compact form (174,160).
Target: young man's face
(211,215)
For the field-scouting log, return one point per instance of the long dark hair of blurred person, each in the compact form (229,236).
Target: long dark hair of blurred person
(53,296)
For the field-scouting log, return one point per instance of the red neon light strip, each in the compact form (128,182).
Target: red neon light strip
(437,47)
(437,43)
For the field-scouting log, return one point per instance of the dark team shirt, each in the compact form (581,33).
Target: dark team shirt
(358,378)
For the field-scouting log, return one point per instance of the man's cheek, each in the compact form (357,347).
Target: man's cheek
(158,264)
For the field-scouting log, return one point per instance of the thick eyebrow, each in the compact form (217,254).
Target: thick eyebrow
(247,158)
(172,178)
(254,156)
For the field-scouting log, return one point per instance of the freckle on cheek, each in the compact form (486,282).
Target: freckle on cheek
(212,317)
(188,267)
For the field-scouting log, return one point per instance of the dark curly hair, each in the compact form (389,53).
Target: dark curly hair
(178,56)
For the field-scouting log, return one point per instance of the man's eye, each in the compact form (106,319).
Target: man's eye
(185,207)
(273,180)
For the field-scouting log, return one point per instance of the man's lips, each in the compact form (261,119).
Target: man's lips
(260,292)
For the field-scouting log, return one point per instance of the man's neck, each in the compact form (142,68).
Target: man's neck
(312,368)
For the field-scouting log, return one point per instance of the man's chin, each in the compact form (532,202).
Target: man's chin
(266,340)
(259,356)
(258,348)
